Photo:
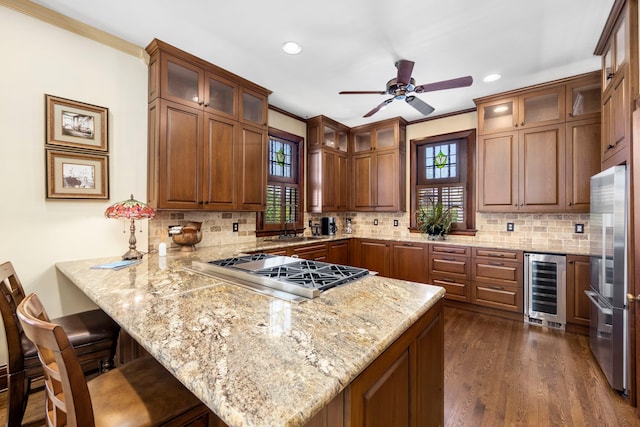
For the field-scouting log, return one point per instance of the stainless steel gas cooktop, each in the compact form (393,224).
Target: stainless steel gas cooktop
(284,277)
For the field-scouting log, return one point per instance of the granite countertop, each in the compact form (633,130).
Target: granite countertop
(254,360)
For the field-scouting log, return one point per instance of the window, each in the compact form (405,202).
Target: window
(442,171)
(284,205)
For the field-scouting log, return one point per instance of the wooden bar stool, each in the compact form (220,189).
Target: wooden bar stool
(93,335)
(140,393)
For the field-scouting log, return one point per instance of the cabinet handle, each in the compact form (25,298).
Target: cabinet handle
(570,115)
(515,125)
(495,255)
(448,280)
(497,288)
(206,105)
(448,259)
(569,204)
(570,262)
(201,202)
(500,264)
(609,147)
(521,123)
(609,76)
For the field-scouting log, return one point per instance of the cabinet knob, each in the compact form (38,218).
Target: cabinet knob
(569,204)
(609,76)
(633,298)
(609,147)
(521,123)
(515,125)
(206,105)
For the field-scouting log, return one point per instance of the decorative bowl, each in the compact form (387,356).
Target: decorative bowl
(189,237)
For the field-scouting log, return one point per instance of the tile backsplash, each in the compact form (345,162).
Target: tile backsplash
(537,231)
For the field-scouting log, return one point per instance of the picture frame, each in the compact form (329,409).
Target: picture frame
(74,124)
(77,175)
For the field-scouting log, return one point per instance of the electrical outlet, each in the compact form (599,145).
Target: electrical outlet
(579,228)
(510,226)
(395,222)
(235,227)
(375,221)
(310,224)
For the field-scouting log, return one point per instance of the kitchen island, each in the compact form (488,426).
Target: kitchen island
(369,349)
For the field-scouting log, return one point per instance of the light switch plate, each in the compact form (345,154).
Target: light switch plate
(579,228)
(375,222)
(395,222)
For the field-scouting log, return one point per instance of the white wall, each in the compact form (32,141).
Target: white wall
(41,59)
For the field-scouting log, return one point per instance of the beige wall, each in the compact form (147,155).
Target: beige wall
(36,233)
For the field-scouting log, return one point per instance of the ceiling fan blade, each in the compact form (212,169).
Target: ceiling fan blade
(445,84)
(405,68)
(362,92)
(379,107)
(419,105)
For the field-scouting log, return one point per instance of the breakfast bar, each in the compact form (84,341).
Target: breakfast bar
(256,360)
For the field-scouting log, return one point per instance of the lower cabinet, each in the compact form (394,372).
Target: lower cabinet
(409,261)
(578,280)
(497,277)
(315,252)
(449,267)
(374,255)
(338,252)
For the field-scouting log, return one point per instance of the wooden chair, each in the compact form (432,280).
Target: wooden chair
(93,335)
(139,393)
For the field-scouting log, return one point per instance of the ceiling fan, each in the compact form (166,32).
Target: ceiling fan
(402,85)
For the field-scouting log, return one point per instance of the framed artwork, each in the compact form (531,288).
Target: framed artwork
(75,124)
(75,175)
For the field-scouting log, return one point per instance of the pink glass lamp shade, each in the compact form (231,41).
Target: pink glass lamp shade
(130,209)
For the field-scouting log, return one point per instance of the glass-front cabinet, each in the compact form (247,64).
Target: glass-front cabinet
(583,98)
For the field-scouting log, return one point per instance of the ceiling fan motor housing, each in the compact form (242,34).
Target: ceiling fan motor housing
(400,90)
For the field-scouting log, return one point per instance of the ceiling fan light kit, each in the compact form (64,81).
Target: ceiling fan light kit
(403,84)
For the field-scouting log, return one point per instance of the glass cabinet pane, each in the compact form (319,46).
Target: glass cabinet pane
(385,138)
(621,45)
(362,142)
(182,82)
(221,96)
(585,100)
(541,108)
(329,137)
(252,108)
(342,141)
(498,116)
(607,74)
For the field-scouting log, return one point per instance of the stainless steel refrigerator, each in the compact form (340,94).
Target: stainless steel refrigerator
(608,238)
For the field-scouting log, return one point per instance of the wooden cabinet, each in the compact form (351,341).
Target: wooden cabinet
(450,267)
(315,251)
(531,109)
(378,167)
(338,252)
(327,165)
(405,385)
(207,135)
(522,171)
(409,261)
(540,161)
(578,281)
(374,255)
(617,44)
(497,277)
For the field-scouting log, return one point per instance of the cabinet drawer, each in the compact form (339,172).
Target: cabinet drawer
(502,297)
(458,290)
(449,266)
(450,249)
(499,272)
(497,253)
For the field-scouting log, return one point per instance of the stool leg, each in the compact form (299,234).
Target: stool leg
(17,395)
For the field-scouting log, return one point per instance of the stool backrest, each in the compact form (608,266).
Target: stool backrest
(68,402)
(12,295)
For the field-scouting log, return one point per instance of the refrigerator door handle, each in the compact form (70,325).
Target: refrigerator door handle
(593,296)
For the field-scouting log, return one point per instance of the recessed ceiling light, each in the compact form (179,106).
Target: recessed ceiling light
(291,47)
(492,78)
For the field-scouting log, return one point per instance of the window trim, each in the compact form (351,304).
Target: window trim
(261,231)
(468,136)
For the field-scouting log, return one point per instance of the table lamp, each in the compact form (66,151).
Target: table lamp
(130,209)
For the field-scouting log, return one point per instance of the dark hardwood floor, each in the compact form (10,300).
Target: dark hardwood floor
(503,373)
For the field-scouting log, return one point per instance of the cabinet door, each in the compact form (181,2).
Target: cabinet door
(253,107)
(362,174)
(338,252)
(497,116)
(341,172)
(315,252)
(375,256)
(542,107)
(616,123)
(218,170)
(578,281)
(329,180)
(386,181)
(362,141)
(222,96)
(251,168)
(498,172)
(181,81)
(582,162)
(179,156)
(583,99)
(541,169)
(409,262)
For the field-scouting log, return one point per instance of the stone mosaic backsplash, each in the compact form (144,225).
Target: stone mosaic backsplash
(536,231)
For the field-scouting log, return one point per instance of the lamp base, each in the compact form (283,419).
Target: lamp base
(132,254)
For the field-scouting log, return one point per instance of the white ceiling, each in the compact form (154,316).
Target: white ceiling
(353,44)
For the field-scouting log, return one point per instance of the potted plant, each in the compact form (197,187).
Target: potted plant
(435,220)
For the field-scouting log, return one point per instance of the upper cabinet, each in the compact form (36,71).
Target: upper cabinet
(377,167)
(327,165)
(531,109)
(619,81)
(538,147)
(207,135)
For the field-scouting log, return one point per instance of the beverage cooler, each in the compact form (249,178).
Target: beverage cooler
(545,296)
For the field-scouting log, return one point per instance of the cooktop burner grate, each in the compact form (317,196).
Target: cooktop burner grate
(230,262)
